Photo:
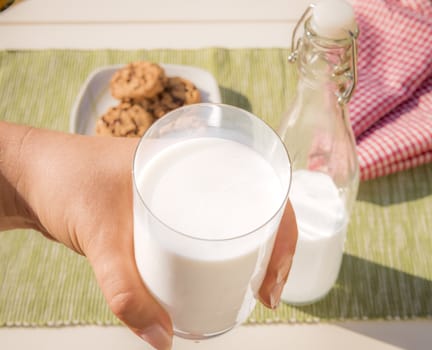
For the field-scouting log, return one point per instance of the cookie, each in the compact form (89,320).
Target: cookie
(138,80)
(178,92)
(126,119)
(144,93)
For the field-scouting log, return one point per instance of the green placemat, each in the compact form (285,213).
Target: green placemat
(386,271)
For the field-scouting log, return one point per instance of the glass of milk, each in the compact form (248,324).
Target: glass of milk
(210,186)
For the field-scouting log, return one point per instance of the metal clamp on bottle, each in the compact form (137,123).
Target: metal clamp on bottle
(351,74)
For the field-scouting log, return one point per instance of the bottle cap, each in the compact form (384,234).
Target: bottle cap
(333,19)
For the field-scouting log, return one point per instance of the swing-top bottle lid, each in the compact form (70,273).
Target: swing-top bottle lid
(333,19)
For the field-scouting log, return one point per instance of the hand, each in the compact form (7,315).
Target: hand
(81,193)
(78,191)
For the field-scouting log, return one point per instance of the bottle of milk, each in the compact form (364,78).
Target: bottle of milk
(317,132)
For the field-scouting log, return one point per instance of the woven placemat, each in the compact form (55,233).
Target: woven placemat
(386,271)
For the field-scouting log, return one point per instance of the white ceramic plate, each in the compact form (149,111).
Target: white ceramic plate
(95,98)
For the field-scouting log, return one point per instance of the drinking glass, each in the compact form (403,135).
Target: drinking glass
(207,284)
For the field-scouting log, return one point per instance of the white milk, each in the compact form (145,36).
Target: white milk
(322,223)
(213,190)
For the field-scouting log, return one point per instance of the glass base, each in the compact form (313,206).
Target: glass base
(304,302)
(192,336)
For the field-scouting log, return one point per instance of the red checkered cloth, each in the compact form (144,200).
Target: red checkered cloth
(391,111)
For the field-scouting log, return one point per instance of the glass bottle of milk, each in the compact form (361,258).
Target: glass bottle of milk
(319,137)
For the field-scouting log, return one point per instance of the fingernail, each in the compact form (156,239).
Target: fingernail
(157,336)
(280,276)
(276,294)
(283,271)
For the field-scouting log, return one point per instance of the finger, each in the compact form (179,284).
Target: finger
(126,294)
(280,261)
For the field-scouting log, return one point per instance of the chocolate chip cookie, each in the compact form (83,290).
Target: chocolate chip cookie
(145,93)
(126,119)
(178,92)
(138,80)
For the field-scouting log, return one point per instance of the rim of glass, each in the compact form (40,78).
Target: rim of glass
(189,236)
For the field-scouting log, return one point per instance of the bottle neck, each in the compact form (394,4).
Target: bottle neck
(325,64)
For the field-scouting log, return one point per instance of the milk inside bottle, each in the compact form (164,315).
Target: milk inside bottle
(322,223)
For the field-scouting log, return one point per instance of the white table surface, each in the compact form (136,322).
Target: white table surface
(148,24)
(131,24)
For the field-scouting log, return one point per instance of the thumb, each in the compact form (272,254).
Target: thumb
(281,259)
(126,294)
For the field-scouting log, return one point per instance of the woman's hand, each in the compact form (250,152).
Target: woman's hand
(77,190)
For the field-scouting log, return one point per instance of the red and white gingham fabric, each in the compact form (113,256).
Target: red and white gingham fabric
(391,111)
